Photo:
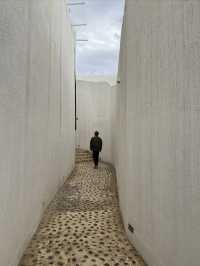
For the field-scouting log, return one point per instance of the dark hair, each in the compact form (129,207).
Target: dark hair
(96,133)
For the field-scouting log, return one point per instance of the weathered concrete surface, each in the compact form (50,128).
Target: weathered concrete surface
(36,115)
(82,226)
(95,111)
(158,121)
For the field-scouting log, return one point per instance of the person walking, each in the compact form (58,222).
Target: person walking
(96,147)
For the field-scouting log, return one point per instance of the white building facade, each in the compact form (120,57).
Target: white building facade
(157,143)
(37,133)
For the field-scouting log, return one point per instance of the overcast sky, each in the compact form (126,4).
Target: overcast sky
(98,56)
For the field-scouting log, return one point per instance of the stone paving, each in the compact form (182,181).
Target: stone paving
(82,226)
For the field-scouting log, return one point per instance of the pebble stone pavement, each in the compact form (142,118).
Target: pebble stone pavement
(82,226)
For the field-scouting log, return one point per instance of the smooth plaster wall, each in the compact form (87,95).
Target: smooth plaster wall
(157,140)
(37,137)
(95,111)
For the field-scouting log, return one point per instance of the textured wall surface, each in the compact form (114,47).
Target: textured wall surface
(95,107)
(158,140)
(36,115)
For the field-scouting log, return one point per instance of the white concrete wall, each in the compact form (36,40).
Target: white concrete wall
(36,115)
(95,112)
(158,120)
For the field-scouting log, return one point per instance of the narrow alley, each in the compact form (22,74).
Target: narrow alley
(119,78)
(82,225)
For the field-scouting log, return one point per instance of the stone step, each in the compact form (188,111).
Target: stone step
(82,161)
(86,156)
(82,151)
(83,156)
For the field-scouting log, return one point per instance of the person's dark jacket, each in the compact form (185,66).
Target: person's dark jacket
(96,144)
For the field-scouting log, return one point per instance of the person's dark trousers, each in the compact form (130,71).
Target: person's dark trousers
(96,157)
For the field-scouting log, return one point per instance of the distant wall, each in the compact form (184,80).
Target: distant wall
(36,115)
(157,141)
(95,112)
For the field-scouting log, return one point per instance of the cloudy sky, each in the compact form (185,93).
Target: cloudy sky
(98,56)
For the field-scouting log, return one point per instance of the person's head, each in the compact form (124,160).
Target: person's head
(96,133)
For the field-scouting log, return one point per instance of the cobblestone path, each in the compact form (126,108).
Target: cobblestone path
(82,226)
